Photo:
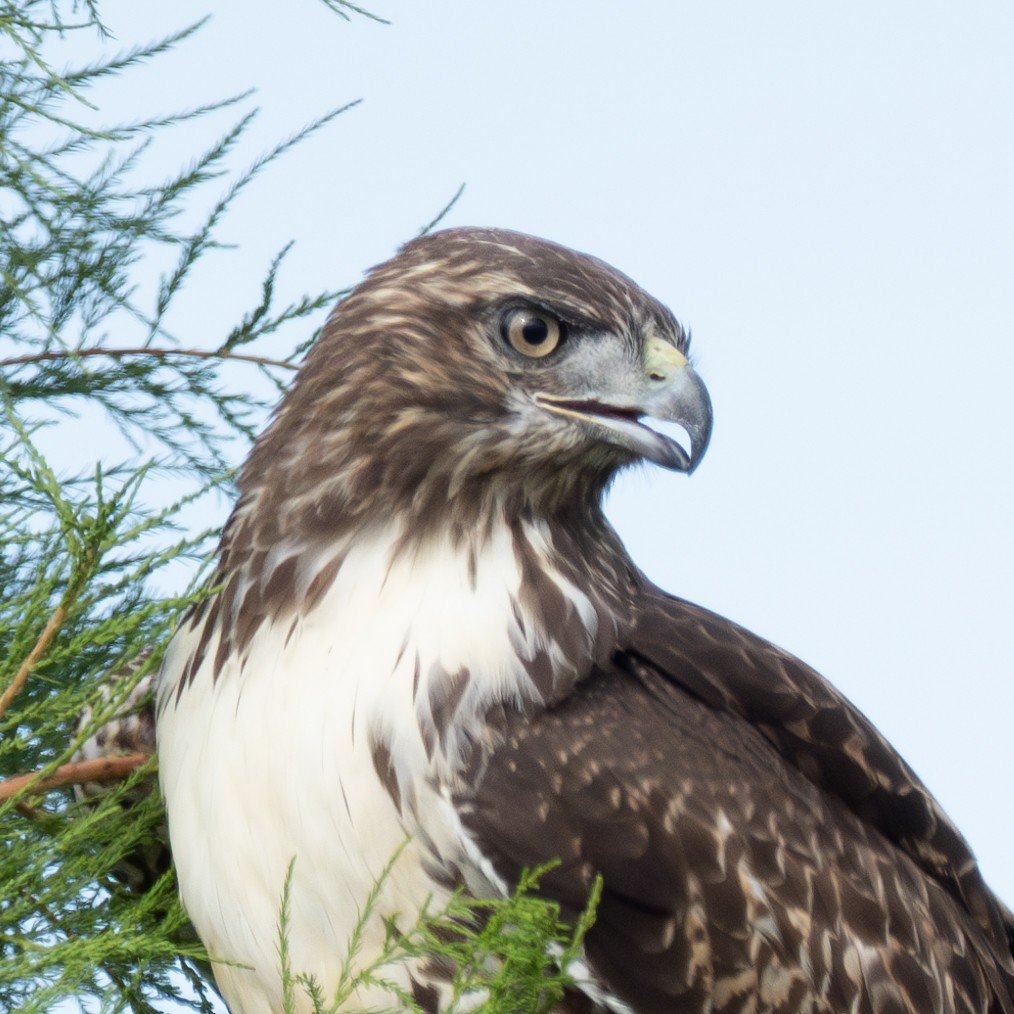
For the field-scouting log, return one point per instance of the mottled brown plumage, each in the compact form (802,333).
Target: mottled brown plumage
(130,731)
(425,616)
(786,862)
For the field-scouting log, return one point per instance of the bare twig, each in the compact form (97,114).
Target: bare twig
(103,769)
(38,357)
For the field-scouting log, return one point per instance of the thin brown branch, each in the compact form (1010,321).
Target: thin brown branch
(103,769)
(39,357)
(48,632)
(32,812)
(25,669)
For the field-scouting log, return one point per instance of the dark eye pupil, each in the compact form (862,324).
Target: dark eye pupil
(535,331)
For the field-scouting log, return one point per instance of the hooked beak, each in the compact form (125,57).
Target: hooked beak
(669,391)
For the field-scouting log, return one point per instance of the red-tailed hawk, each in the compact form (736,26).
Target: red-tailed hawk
(425,629)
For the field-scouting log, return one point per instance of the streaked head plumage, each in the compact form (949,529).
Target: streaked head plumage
(428,389)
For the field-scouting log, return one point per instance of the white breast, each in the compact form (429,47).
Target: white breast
(273,762)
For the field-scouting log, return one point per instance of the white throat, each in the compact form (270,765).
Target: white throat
(426,638)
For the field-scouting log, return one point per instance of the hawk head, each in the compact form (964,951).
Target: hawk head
(478,367)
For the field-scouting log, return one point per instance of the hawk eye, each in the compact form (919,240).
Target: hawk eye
(531,332)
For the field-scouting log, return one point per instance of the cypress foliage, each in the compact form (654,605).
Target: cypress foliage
(87,553)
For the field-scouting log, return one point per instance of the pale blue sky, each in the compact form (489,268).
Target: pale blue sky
(824,193)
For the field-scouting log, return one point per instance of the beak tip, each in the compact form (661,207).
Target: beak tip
(698,424)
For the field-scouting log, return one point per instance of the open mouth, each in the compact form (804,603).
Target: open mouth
(589,407)
(665,441)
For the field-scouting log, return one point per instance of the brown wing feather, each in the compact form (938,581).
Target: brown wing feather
(733,880)
(822,733)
